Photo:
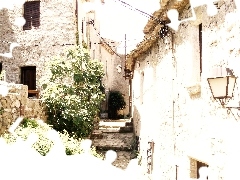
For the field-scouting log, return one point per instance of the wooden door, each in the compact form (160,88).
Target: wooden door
(28,77)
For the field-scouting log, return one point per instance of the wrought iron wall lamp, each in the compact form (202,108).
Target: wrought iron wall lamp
(222,88)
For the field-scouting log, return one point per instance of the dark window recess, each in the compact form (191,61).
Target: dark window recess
(31,14)
(0,67)
(76,10)
(28,77)
(200,46)
(82,26)
(199,165)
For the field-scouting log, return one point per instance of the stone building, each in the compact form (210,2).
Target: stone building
(49,30)
(104,50)
(51,27)
(114,79)
(181,127)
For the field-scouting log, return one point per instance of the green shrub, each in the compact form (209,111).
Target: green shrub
(116,102)
(72,92)
(29,123)
(43,145)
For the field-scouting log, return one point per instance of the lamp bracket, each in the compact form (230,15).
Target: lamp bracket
(224,101)
(229,110)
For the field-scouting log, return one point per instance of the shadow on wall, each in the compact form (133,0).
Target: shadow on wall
(136,121)
(6,38)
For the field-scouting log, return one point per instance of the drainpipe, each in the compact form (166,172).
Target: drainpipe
(174,76)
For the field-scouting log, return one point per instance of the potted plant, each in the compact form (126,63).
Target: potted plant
(116,102)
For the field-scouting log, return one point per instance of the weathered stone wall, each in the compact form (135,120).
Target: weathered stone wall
(173,105)
(37,46)
(16,100)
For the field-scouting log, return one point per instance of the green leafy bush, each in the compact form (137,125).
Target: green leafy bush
(116,102)
(72,92)
(43,145)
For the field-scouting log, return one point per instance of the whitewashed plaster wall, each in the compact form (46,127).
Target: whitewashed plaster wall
(177,110)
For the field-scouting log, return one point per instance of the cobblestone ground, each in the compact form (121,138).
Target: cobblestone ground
(111,139)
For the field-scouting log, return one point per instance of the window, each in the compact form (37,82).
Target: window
(31,14)
(2,76)
(82,26)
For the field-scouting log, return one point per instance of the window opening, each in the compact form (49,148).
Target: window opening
(31,14)
(195,166)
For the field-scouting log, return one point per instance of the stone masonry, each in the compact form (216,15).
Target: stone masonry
(38,45)
(16,104)
(173,105)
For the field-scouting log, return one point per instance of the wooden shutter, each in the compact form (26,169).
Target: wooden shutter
(27,16)
(36,13)
(31,14)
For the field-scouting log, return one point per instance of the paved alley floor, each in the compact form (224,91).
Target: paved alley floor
(112,138)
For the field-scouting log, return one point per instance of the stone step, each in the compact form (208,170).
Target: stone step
(124,129)
(96,135)
(129,124)
(110,127)
(114,148)
(114,141)
(113,123)
(118,120)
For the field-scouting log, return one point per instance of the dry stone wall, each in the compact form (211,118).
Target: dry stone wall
(173,105)
(38,45)
(16,104)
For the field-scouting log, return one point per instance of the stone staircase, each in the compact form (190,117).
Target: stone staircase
(115,135)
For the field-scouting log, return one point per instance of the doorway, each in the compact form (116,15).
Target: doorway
(28,77)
